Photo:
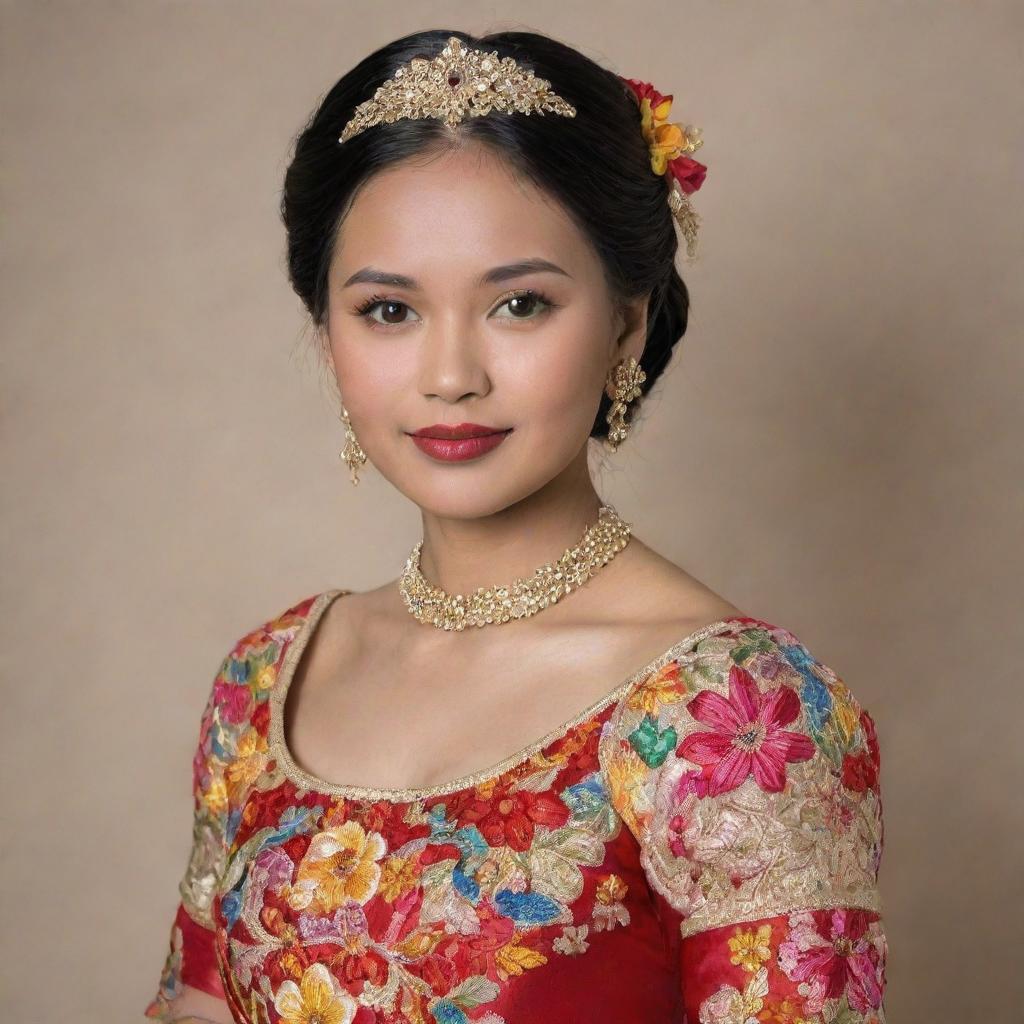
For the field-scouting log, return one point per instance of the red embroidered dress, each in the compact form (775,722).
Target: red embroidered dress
(702,846)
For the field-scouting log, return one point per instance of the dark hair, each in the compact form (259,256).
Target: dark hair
(596,164)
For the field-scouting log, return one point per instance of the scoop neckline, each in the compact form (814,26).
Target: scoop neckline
(309,782)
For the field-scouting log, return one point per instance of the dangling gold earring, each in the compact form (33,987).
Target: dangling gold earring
(625,380)
(352,453)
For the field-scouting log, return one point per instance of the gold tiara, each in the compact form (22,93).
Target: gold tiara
(456,84)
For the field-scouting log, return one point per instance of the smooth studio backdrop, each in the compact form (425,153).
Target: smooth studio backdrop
(836,447)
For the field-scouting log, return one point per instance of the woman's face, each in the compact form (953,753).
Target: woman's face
(476,331)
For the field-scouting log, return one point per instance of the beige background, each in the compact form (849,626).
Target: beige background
(838,448)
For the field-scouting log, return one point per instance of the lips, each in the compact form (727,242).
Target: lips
(459,442)
(457,430)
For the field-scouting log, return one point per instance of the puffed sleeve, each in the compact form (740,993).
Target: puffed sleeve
(749,774)
(191,956)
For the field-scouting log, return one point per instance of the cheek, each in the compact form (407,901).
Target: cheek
(560,378)
(367,373)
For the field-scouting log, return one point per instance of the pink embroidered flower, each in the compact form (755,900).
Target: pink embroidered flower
(233,701)
(747,735)
(836,953)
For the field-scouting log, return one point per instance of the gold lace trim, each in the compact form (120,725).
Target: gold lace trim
(306,781)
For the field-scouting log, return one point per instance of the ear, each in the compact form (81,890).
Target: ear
(631,337)
(323,344)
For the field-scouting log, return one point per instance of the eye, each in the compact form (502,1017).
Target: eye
(391,309)
(528,305)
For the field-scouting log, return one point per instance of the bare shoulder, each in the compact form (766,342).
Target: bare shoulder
(658,587)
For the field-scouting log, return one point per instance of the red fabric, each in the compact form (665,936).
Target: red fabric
(191,960)
(588,882)
(198,960)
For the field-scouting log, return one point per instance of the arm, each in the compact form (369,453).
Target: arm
(749,776)
(190,987)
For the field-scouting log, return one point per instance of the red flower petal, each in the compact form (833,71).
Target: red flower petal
(492,828)
(780,707)
(705,748)
(519,832)
(794,746)
(730,771)
(744,694)
(849,921)
(770,769)
(713,709)
(546,809)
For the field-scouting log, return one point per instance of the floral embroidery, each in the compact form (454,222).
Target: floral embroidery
(339,865)
(572,941)
(749,818)
(834,958)
(729,1005)
(750,949)
(315,1000)
(536,884)
(810,967)
(508,815)
(609,910)
(747,736)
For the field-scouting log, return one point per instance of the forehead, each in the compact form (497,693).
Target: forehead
(462,206)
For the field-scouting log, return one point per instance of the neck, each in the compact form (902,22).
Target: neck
(460,555)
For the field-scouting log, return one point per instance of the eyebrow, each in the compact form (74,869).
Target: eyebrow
(370,275)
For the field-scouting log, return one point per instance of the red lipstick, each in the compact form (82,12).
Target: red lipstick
(448,442)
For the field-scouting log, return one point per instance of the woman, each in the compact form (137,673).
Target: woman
(484,234)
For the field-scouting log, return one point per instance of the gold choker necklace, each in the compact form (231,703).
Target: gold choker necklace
(494,605)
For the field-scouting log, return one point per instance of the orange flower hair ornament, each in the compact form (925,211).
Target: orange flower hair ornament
(669,144)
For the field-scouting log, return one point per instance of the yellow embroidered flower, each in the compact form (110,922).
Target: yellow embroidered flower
(611,889)
(249,762)
(418,944)
(341,864)
(216,796)
(626,773)
(516,958)
(397,877)
(845,711)
(750,949)
(291,963)
(264,678)
(317,999)
(666,686)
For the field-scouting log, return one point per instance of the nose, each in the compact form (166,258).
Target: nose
(452,362)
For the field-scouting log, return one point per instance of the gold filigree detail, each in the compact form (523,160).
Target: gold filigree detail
(456,84)
(525,596)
